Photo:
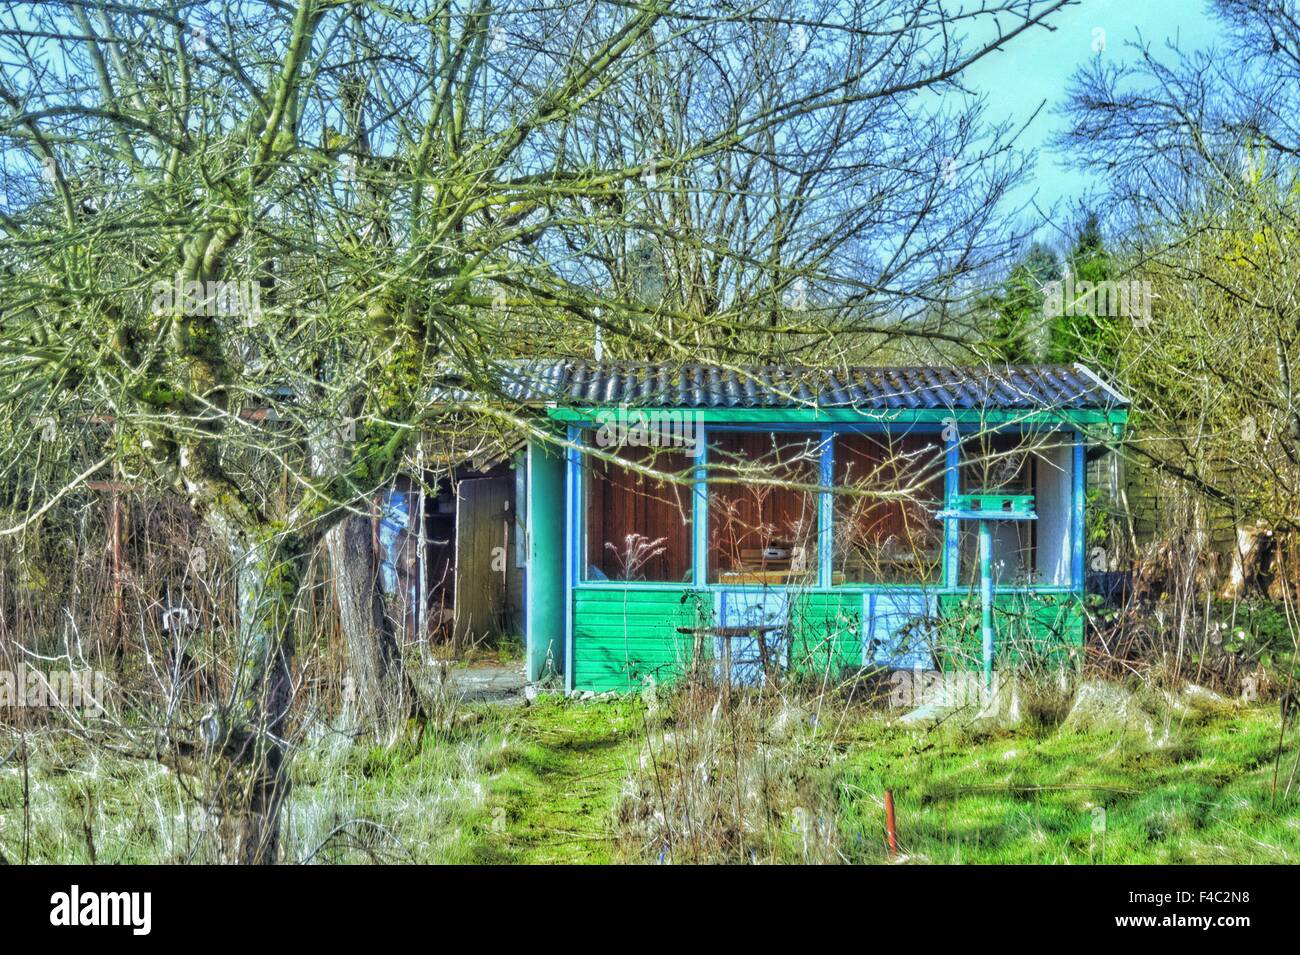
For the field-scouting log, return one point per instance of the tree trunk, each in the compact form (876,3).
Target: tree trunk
(1247,561)
(248,741)
(383,695)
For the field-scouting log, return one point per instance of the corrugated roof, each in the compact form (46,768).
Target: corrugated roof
(646,384)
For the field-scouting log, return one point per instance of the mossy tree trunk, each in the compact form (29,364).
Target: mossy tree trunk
(247,738)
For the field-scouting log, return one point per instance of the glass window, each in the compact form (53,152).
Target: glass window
(885,528)
(762,508)
(1024,552)
(638,526)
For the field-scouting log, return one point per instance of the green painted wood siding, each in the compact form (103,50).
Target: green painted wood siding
(826,633)
(622,636)
(1036,628)
(544,579)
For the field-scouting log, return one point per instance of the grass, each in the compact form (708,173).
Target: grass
(88,808)
(412,802)
(750,782)
(420,800)
(510,784)
(504,651)
(550,783)
(559,782)
(1053,796)
(530,784)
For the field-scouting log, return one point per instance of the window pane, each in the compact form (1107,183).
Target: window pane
(885,529)
(759,530)
(997,463)
(638,527)
(1037,464)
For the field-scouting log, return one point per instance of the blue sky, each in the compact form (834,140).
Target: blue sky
(1036,68)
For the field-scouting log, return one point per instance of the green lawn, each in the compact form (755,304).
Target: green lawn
(1204,796)
(543,783)
(551,776)
(558,781)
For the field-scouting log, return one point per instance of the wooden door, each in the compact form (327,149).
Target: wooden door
(483,556)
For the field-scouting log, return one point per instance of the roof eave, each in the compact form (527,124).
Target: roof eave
(1071,417)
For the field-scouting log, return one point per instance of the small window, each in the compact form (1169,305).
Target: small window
(638,526)
(889,488)
(763,507)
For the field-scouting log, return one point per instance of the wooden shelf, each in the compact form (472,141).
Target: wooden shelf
(779,577)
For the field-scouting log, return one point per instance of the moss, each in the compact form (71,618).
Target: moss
(560,776)
(158,394)
(375,458)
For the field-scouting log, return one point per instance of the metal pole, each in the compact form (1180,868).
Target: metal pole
(119,599)
(891,829)
(986,600)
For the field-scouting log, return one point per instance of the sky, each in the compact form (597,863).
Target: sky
(1035,68)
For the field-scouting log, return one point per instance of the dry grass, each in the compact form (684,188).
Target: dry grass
(741,777)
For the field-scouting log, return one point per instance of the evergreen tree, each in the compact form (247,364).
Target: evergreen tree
(1085,328)
(1019,334)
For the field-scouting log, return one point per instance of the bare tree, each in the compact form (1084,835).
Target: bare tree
(247,241)
(857,209)
(1199,149)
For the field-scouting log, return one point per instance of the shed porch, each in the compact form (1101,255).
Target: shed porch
(832,531)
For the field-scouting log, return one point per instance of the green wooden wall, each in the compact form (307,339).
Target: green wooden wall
(622,636)
(1030,628)
(825,633)
(545,583)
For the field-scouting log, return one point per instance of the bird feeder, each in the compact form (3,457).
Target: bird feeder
(985,507)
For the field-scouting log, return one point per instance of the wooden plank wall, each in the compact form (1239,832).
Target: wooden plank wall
(485,559)
(622,637)
(1151,503)
(750,517)
(882,462)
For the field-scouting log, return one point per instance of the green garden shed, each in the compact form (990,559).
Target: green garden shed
(807,520)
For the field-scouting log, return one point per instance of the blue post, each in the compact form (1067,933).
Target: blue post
(826,512)
(574,545)
(700,511)
(1079,493)
(951,528)
(986,600)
